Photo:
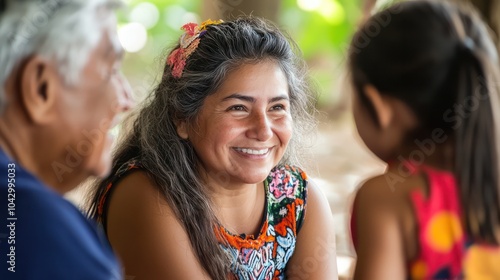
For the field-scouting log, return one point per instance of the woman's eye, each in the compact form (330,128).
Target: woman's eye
(237,108)
(279,107)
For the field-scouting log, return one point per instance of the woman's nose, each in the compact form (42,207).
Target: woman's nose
(260,127)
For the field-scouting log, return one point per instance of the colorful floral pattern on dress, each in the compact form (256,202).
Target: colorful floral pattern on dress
(266,255)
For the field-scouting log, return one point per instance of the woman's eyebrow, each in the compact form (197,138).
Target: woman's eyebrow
(279,98)
(239,97)
(252,100)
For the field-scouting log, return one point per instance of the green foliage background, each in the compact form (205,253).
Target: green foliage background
(322,35)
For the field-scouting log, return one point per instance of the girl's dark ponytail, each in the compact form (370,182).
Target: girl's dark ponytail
(445,69)
(476,154)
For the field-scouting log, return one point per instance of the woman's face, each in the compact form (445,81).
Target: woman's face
(243,129)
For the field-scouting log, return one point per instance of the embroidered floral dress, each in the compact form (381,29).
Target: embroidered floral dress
(266,255)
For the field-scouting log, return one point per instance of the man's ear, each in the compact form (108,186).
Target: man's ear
(39,86)
(182,129)
(382,107)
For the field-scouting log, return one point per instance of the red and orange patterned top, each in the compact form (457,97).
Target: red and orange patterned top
(445,252)
(266,255)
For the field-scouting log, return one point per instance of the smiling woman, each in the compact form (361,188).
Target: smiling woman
(205,185)
(243,129)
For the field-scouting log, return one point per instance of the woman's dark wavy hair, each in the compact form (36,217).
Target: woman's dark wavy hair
(434,56)
(171,161)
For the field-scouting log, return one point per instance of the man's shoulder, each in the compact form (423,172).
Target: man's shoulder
(35,205)
(47,229)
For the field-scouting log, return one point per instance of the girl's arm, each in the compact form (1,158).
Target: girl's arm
(315,254)
(146,235)
(379,238)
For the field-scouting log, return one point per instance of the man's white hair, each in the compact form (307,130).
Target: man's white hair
(64,31)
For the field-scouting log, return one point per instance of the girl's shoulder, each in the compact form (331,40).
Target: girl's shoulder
(381,196)
(384,194)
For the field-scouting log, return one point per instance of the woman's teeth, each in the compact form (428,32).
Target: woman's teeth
(253,152)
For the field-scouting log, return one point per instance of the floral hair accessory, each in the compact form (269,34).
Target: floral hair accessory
(188,42)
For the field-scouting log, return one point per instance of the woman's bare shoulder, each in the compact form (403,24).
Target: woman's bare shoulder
(146,234)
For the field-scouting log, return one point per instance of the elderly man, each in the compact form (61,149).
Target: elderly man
(61,91)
